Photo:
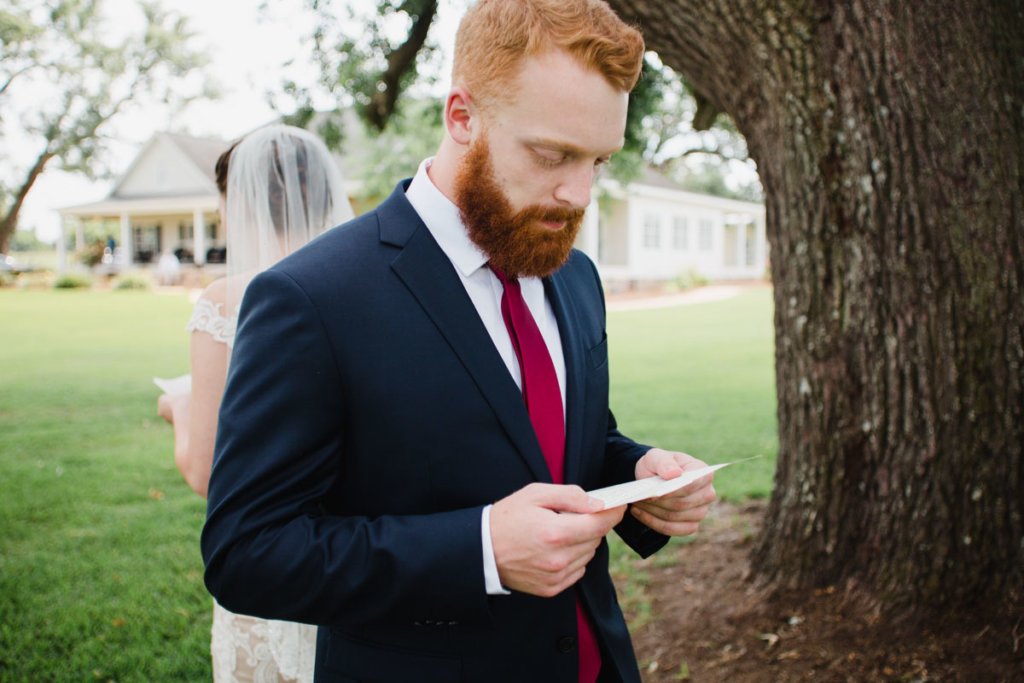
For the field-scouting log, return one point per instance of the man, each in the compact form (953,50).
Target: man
(441,354)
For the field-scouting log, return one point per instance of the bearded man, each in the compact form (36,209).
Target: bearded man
(418,401)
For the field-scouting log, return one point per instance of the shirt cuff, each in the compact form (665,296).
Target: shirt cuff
(492,582)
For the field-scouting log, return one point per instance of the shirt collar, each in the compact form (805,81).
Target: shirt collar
(442,218)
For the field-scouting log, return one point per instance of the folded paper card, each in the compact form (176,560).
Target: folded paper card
(651,487)
(174,385)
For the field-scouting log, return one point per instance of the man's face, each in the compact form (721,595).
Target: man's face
(526,180)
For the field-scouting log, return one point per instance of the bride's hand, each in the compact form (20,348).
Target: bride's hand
(168,404)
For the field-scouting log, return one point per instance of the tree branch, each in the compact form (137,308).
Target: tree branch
(711,152)
(400,61)
(707,112)
(14,75)
(10,219)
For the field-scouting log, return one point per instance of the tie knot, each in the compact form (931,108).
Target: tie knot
(505,279)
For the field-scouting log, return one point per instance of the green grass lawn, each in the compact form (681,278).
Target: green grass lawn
(701,379)
(100,574)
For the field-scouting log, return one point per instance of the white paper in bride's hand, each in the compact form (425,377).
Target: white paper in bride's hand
(651,487)
(174,385)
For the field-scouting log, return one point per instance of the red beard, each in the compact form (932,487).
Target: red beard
(515,241)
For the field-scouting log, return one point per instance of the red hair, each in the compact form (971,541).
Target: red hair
(495,36)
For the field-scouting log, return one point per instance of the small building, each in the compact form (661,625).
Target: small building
(166,202)
(652,231)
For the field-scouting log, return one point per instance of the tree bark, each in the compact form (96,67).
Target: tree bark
(889,137)
(9,222)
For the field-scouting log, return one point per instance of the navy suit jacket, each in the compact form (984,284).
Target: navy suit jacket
(367,420)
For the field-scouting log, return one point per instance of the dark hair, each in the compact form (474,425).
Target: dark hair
(220,169)
(275,189)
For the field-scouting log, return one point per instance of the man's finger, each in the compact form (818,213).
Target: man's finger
(669,528)
(667,468)
(576,529)
(560,498)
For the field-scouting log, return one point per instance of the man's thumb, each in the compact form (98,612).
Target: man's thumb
(568,499)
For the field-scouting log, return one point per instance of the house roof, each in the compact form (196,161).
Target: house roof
(198,153)
(649,176)
(203,152)
(144,206)
(653,184)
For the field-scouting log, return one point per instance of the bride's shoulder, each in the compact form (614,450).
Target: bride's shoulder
(216,292)
(209,315)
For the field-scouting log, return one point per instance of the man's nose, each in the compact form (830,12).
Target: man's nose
(574,188)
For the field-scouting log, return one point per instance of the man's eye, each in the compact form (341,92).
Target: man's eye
(548,159)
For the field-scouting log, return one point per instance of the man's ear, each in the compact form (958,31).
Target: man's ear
(459,115)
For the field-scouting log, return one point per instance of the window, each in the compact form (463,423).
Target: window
(652,231)
(751,245)
(704,235)
(680,233)
(146,240)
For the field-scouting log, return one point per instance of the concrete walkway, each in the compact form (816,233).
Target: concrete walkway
(700,295)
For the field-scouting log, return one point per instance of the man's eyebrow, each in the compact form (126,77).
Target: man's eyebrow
(565,147)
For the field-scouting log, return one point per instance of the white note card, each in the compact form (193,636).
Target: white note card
(174,385)
(651,487)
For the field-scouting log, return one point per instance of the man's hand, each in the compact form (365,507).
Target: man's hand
(678,513)
(539,551)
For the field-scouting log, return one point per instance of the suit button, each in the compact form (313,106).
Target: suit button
(566,644)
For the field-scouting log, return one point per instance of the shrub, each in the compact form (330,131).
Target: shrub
(92,253)
(132,281)
(40,279)
(72,281)
(690,278)
(7,279)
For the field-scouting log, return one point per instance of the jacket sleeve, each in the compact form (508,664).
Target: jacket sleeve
(620,457)
(269,548)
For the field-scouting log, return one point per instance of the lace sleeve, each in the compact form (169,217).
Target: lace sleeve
(207,317)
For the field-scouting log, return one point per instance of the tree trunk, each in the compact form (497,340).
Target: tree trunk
(9,222)
(889,137)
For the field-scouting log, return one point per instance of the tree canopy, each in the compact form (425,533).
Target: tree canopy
(67,71)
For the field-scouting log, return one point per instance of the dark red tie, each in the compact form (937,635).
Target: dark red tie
(543,399)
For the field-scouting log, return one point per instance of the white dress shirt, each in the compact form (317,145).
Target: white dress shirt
(442,218)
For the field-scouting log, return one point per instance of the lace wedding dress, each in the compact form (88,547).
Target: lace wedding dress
(249,649)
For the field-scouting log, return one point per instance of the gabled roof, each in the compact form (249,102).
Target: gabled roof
(653,178)
(200,154)
(202,151)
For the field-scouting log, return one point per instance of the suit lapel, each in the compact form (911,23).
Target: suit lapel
(430,277)
(566,314)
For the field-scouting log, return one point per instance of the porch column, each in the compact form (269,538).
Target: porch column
(80,234)
(762,245)
(741,246)
(198,237)
(126,239)
(587,240)
(62,246)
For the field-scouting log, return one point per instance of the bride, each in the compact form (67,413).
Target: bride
(279,188)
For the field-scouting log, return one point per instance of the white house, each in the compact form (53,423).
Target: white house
(649,231)
(165,202)
(652,231)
